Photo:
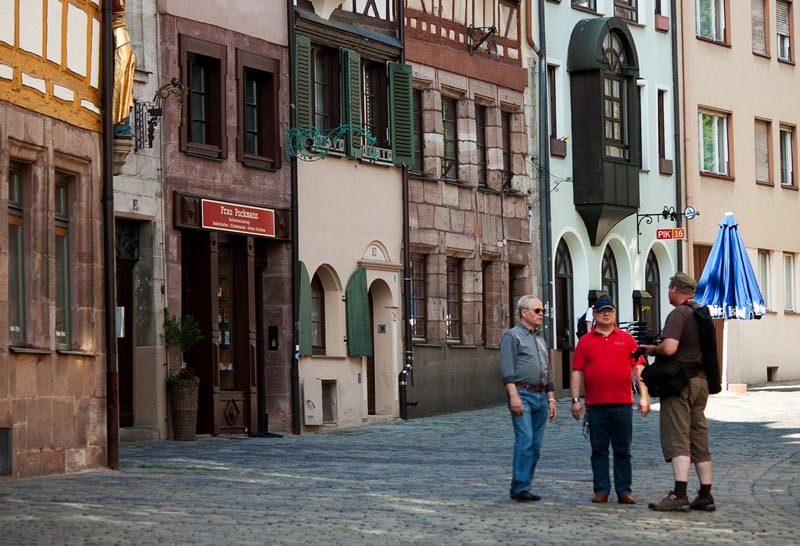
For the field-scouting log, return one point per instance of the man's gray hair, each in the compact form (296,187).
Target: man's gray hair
(522,303)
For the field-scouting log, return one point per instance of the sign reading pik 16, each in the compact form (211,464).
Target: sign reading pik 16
(238,218)
(671,233)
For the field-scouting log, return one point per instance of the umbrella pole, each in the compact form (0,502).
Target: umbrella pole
(724,355)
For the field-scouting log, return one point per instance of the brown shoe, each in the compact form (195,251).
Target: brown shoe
(670,503)
(600,498)
(627,498)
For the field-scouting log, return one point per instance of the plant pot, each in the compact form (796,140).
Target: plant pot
(183,406)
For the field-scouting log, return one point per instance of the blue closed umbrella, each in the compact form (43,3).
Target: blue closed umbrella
(728,285)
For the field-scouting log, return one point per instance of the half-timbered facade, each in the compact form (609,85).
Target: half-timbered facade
(52,363)
(470,196)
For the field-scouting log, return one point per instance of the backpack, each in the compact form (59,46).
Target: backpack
(580,329)
(708,344)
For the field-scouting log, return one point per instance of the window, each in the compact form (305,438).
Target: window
(317,316)
(787,156)
(419,134)
(551,101)
(627,9)
(658,8)
(450,136)
(615,99)
(203,65)
(505,134)
(758,21)
(16,256)
(590,5)
(419,301)
(62,252)
(375,112)
(714,143)
(257,81)
(762,151)
(454,298)
(788,282)
(480,143)
(662,129)
(783,25)
(325,88)
(764,276)
(711,20)
(610,278)
(652,280)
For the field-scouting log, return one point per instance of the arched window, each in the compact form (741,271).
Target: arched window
(652,280)
(317,316)
(563,297)
(610,277)
(615,99)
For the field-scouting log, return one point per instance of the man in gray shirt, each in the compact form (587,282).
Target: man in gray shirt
(526,373)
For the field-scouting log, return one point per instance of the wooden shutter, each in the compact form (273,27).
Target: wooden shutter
(782,17)
(401,114)
(304,312)
(359,335)
(303,81)
(762,151)
(351,99)
(758,23)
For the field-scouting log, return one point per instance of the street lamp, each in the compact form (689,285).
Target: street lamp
(668,213)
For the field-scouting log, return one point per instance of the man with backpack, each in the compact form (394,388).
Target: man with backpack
(684,431)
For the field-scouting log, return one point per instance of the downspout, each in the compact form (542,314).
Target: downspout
(295,369)
(676,107)
(407,342)
(112,370)
(546,249)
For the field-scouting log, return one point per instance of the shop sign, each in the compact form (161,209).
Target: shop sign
(238,218)
(671,233)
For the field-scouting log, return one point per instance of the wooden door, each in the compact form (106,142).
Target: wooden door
(125,299)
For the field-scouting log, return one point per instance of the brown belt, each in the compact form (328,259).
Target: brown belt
(529,387)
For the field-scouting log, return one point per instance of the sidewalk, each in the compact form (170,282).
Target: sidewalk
(439,480)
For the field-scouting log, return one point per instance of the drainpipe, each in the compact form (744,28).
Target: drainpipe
(109,273)
(546,249)
(676,103)
(407,345)
(295,370)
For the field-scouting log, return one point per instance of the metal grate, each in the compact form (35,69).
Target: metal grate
(5,451)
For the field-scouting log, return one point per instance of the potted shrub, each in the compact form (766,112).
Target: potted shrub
(183,384)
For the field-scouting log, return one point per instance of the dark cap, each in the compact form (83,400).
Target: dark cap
(603,303)
(683,282)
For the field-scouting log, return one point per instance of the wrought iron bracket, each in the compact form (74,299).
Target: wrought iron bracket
(478,35)
(149,114)
(668,213)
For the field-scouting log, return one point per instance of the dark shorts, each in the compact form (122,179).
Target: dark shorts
(684,430)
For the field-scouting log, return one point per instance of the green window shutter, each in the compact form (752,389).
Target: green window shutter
(304,313)
(401,114)
(303,81)
(351,99)
(359,335)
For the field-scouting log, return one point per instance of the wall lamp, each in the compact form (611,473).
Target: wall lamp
(669,213)
(478,35)
(151,113)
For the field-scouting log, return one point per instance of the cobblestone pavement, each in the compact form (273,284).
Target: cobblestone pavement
(440,480)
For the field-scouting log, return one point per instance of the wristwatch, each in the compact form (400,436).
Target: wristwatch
(576,400)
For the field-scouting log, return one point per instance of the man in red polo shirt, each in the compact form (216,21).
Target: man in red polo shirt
(603,362)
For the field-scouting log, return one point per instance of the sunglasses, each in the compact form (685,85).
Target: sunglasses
(538,310)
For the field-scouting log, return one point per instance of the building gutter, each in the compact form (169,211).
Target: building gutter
(546,246)
(295,358)
(676,108)
(109,273)
(408,348)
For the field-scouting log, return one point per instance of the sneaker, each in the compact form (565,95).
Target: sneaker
(705,504)
(670,503)
(525,496)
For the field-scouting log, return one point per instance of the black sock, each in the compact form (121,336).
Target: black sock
(705,490)
(680,489)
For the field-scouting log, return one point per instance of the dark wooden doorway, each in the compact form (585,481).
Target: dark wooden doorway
(371,362)
(565,336)
(127,254)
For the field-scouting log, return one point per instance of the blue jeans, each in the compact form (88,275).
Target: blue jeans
(611,423)
(528,434)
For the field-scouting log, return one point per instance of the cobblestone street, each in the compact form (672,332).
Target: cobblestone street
(441,480)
